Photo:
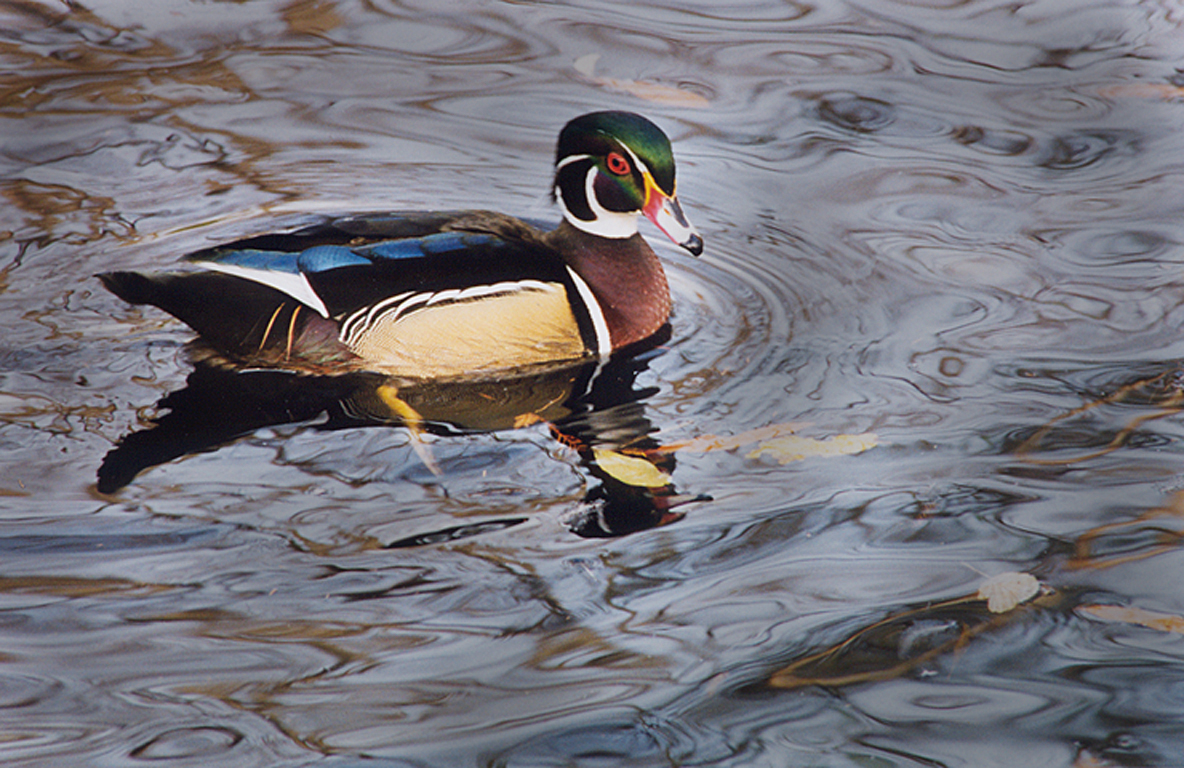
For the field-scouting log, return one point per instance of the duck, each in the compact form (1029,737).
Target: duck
(452,294)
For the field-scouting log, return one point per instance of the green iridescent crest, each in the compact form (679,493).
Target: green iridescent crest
(600,133)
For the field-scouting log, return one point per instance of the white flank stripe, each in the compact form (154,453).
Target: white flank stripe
(357,323)
(604,343)
(374,311)
(390,309)
(394,303)
(419,298)
(360,322)
(448,295)
(508,286)
(294,285)
(346,332)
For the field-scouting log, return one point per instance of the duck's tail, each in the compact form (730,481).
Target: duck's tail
(241,318)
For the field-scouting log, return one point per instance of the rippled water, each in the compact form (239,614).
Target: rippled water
(955,225)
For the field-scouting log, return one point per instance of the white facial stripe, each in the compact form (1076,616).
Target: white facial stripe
(607,223)
(645,169)
(636,160)
(571,159)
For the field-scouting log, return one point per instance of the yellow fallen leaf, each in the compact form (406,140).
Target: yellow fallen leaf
(795,448)
(1128,614)
(631,470)
(656,92)
(1005,591)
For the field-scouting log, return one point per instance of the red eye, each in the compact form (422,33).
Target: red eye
(617,163)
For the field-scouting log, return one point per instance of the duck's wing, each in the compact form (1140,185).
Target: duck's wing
(341,266)
(421,295)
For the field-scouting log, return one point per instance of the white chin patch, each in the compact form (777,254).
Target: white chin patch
(607,223)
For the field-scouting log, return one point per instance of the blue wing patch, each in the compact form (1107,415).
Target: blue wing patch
(394,249)
(429,245)
(456,241)
(319,258)
(252,259)
(322,258)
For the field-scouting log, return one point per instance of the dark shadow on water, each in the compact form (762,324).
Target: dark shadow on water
(591,408)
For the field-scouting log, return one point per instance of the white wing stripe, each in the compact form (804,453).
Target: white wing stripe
(294,285)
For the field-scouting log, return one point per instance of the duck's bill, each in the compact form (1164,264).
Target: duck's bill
(667,214)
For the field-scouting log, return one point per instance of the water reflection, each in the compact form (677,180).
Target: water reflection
(594,408)
(954,223)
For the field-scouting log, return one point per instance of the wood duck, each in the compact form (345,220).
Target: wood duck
(452,294)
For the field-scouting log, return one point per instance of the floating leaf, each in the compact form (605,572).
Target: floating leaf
(1004,591)
(1129,614)
(1165,91)
(795,448)
(706,443)
(631,470)
(656,92)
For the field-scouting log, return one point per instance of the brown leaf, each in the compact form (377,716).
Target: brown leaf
(1129,614)
(1165,91)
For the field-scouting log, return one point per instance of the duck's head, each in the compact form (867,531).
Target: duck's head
(612,166)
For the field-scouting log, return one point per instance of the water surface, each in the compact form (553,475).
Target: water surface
(953,225)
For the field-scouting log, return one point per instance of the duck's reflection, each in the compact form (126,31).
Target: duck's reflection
(594,408)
